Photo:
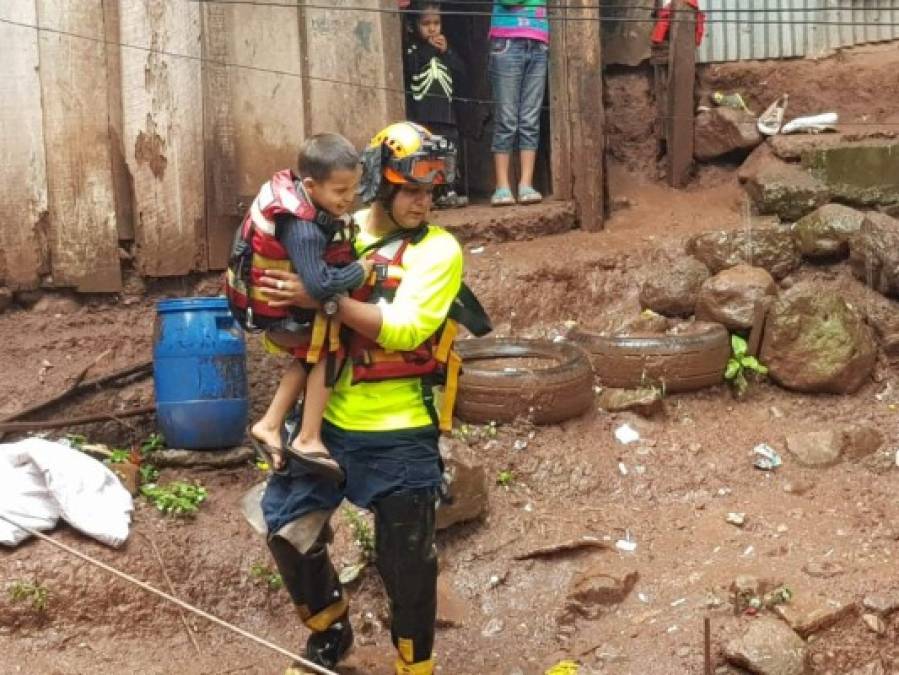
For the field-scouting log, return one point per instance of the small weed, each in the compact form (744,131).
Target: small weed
(363,535)
(176,498)
(118,457)
(739,364)
(33,592)
(505,478)
(263,574)
(148,474)
(473,432)
(152,443)
(76,440)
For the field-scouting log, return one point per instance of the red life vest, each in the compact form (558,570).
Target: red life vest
(256,249)
(434,361)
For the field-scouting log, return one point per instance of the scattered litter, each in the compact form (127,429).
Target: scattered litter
(477,250)
(350,573)
(626,545)
(672,629)
(564,668)
(639,469)
(749,551)
(528,507)
(811,123)
(770,122)
(642,597)
(493,627)
(519,444)
(585,541)
(782,528)
(734,518)
(767,459)
(496,579)
(776,412)
(678,602)
(560,338)
(622,468)
(724,491)
(626,434)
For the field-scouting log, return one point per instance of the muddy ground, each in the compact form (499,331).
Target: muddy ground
(691,468)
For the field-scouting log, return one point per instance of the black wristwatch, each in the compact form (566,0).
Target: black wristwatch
(331,305)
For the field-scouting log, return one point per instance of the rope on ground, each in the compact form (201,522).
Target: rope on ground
(170,598)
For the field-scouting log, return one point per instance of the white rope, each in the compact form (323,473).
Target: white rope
(165,596)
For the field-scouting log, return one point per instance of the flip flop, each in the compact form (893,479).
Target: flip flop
(319,463)
(266,453)
(528,195)
(502,197)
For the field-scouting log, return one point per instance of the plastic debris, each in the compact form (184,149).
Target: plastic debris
(626,434)
(519,444)
(622,468)
(678,602)
(811,124)
(626,545)
(350,573)
(770,122)
(478,249)
(566,667)
(767,458)
(738,519)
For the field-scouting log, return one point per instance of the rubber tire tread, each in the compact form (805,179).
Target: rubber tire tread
(543,395)
(682,362)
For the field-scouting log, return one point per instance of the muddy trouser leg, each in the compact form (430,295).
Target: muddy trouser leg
(407,563)
(315,590)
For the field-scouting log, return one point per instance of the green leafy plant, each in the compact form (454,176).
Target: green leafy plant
(148,473)
(176,498)
(505,478)
(33,592)
(363,536)
(76,440)
(152,443)
(263,574)
(118,457)
(740,363)
(473,432)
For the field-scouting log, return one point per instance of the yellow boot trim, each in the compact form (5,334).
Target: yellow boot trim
(420,668)
(450,389)
(333,335)
(323,620)
(450,330)
(319,332)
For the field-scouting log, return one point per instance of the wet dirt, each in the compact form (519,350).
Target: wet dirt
(689,469)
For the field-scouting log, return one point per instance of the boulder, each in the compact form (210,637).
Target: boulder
(858,172)
(825,232)
(768,647)
(808,613)
(5,298)
(672,290)
(721,131)
(816,448)
(815,342)
(730,297)
(467,485)
(770,247)
(874,253)
(783,189)
(883,604)
(646,401)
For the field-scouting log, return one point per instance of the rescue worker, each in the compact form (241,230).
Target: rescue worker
(382,421)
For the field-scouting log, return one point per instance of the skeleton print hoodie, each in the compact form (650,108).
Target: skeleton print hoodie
(431,81)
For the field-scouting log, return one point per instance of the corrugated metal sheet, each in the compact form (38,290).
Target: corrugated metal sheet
(772,29)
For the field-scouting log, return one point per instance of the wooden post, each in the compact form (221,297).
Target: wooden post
(681,79)
(559,112)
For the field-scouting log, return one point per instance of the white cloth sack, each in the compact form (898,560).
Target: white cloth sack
(42,481)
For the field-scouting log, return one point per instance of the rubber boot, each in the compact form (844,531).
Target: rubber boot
(313,586)
(407,563)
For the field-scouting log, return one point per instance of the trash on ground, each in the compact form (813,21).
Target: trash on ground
(626,434)
(477,249)
(767,458)
(734,518)
(678,602)
(350,573)
(811,123)
(42,481)
(569,546)
(626,545)
(770,122)
(564,668)
(622,468)
(519,444)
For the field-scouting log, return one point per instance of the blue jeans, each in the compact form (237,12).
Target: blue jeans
(518,79)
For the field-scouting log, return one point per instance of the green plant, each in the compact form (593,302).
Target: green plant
(148,473)
(740,363)
(33,592)
(76,440)
(152,443)
(473,432)
(176,498)
(363,535)
(263,574)
(118,457)
(505,478)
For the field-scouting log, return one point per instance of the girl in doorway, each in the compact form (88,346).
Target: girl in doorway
(433,72)
(519,46)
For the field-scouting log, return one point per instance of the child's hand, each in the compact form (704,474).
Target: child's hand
(438,42)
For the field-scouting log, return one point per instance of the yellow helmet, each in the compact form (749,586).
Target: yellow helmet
(401,153)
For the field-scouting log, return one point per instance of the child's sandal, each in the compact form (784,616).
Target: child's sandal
(528,195)
(502,197)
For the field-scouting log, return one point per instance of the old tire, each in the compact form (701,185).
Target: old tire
(686,360)
(542,395)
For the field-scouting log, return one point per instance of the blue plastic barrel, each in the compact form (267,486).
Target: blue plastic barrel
(200,373)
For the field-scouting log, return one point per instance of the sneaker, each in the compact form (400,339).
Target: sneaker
(450,200)
(502,197)
(528,195)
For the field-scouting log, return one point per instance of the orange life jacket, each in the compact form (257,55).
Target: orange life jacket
(256,249)
(434,361)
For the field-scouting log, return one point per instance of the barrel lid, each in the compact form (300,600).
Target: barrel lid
(192,304)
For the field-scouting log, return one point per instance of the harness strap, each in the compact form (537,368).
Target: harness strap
(450,389)
(319,333)
(450,330)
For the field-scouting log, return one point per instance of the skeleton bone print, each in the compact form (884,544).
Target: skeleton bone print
(434,71)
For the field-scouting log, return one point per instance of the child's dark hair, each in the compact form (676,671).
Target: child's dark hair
(322,154)
(416,8)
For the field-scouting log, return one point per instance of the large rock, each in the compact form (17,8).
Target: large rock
(783,189)
(816,448)
(865,172)
(720,131)
(672,290)
(730,297)
(816,342)
(874,253)
(770,247)
(770,648)
(808,613)
(467,485)
(646,401)
(825,232)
